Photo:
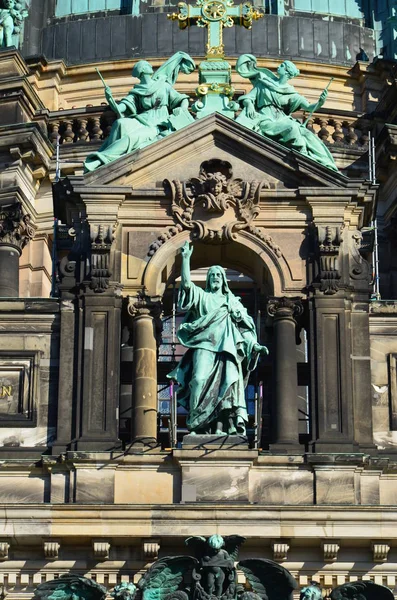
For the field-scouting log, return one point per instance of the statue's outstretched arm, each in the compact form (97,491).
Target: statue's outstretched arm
(186,252)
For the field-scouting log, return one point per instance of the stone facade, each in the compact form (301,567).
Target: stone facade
(94,479)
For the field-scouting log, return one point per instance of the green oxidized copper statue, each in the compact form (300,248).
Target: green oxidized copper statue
(311,592)
(222,351)
(150,111)
(12,14)
(267,109)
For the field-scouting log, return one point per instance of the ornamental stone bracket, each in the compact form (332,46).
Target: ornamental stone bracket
(360,270)
(214,206)
(102,238)
(16,228)
(280,550)
(51,550)
(380,551)
(328,243)
(4,549)
(101,549)
(330,551)
(151,549)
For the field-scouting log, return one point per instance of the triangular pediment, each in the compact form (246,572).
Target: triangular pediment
(179,156)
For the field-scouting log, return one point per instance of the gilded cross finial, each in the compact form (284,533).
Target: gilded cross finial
(215,15)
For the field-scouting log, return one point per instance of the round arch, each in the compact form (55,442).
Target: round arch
(249,254)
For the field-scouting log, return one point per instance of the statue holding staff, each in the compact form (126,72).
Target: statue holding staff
(222,351)
(268,107)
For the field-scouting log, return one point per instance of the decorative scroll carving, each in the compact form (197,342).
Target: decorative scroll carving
(329,239)
(214,206)
(360,268)
(16,228)
(143,305)
(285,308)
(101,242)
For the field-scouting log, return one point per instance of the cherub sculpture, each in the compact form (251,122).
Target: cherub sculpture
(165,579)
(361,590)
(216,576)
(124,591)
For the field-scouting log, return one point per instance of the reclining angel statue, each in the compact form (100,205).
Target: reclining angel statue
(267,109)
(222,351)
(150,111)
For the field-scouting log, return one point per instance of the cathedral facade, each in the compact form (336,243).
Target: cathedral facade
(100,474)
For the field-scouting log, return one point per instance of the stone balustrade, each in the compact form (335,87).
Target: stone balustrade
(93,124)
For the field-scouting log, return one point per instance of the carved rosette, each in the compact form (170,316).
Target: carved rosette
(285,308)
(329,239)
(101,242)
(16,228)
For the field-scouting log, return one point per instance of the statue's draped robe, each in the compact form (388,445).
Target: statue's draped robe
(274,104)
(227,348)
(146,119)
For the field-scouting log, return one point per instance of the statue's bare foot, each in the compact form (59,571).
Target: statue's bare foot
(232,430)
(220,432)
(192,432)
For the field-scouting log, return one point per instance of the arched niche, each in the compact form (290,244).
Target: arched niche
(247,254)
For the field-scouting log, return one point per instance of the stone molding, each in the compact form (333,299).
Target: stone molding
(102,238)
(280,550)
(16,228)
(330,551)
(142,305)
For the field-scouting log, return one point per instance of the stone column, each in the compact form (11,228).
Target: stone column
(285,413)
(145,313)
(16,231)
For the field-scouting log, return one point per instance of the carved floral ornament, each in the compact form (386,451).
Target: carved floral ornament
(16,228)
(214,206)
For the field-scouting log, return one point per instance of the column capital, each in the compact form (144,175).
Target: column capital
(285,307)
(143,305)
(16,228)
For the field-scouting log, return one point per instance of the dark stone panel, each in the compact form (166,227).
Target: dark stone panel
(60,35)
(351,42)
(47,42)
(244,40)
(229,39)
(117,32)
(88,39)
(164,38)
(149,35)
(198,39)
(134,36)
(336,42)
(305,37)
(289,38)
(103,41)
(321,39)
(74,41)
(180,38)
(273,46)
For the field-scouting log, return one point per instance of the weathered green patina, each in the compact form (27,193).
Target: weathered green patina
(267,109)
(151,110)
(12,15)
(222,351)
(70,587)
(311,592)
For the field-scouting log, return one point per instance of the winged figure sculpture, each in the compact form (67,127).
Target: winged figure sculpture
(268,580)
(361,590)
